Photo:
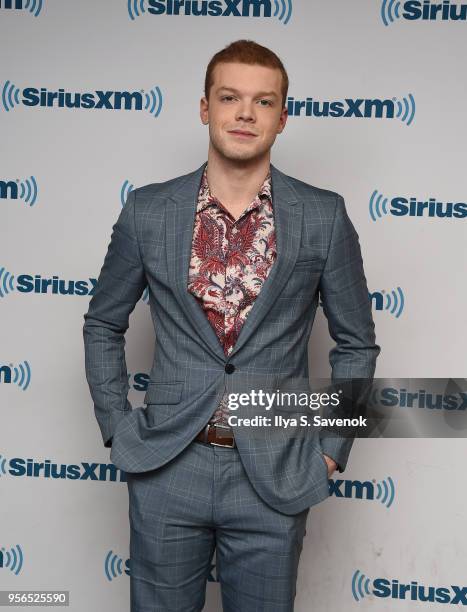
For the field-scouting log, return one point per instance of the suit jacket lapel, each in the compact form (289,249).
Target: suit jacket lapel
(180,221)
(288,214)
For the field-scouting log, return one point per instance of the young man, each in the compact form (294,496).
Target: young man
(235,255)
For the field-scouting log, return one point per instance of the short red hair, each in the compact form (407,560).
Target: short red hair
(246,52)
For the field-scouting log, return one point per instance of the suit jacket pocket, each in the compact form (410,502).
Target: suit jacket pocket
(164,392)
(312,264)
(161,399)
(310,255)
(323,462)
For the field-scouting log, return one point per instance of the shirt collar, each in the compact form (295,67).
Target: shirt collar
(205,198)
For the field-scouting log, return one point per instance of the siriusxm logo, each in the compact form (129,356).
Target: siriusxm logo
(97,100)
(48,469)
(401,206)
(362,586)
(12,559)
(125,191)
(393,301)
(23,190)
(213,8)
(391,397)
(140,381)
(19,375)
(360,108)
(115,566)
(426,11)
(358,489)
(26,283)
(33,6)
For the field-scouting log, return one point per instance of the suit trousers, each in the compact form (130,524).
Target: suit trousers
(200,502)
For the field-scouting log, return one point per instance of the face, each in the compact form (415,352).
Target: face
(244,111)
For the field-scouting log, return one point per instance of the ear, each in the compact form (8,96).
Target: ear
(204,110)
(283,120)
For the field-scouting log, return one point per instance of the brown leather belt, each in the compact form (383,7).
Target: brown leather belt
(218,435)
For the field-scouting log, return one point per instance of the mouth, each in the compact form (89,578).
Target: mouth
(242,134)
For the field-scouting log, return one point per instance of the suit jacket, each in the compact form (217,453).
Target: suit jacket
(318,253)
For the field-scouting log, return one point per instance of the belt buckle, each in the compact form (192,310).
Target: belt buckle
(225,445)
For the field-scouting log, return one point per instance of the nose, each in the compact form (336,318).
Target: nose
(245,112)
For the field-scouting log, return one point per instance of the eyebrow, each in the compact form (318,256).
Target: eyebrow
(260,93)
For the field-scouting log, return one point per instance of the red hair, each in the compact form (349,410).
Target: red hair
(246,52)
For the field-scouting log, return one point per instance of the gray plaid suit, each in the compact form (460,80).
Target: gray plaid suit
(318,252)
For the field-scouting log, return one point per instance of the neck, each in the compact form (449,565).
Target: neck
(236,183)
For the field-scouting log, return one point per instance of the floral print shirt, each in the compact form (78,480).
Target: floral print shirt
(230,260)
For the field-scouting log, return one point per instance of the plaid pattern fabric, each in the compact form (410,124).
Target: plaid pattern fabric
(201,501)
(318,257)
(230,260)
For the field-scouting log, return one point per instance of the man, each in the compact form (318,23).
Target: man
(235,255)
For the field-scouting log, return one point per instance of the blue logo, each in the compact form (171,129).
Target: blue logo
(401,206)
(108,100)
(360,108)
(27,283)
(360,585)
(213,8)
(6,282)
(113,566)
(425,11)
(393,589)
(33,6)
(49,469)
(393,301)
(25,190)
(12,559)
(19,375)
(391,397)
(125,192)
(385,490)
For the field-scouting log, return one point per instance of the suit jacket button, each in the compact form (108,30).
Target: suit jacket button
(229,368)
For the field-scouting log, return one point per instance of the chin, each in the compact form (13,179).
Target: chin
(238,155)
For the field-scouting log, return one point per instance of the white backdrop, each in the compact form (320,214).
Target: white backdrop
(62,175)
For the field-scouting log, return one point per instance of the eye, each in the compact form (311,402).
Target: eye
(268,101)
(225,97)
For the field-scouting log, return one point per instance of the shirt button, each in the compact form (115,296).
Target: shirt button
(229,368)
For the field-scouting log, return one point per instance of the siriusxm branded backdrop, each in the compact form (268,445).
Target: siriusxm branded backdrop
(97,98)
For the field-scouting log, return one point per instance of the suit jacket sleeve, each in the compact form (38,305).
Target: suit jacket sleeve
(347,307)
(120,285)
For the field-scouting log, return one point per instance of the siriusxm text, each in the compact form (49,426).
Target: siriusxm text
(432,11)
(401,207)
(414,591)
(48,469)
(99,99)
(27,283)
(213,8)
(392,397)
(349,107)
